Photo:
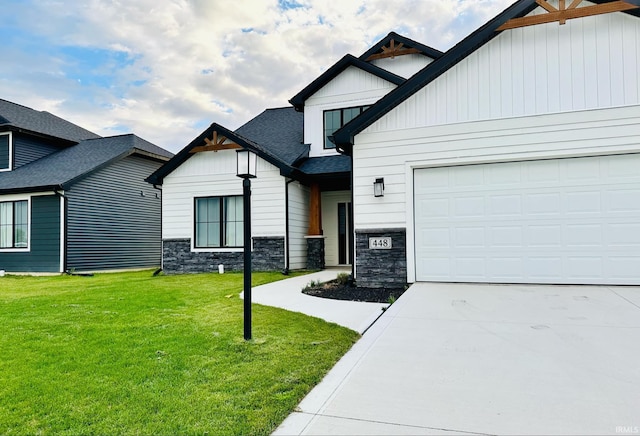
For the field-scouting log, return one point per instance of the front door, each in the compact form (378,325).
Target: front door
(345,237)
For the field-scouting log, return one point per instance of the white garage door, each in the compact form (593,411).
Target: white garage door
(548,221)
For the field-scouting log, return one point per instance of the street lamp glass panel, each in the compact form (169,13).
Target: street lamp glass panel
(247,164)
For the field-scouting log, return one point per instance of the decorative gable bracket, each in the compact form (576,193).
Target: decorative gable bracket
(216,144)
(393,50)
(563,13)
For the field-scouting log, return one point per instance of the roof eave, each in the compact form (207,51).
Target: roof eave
(31,189)
(157,177)
(347,60)
(344,137)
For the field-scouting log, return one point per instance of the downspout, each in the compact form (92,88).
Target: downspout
(64,229)
(353,231)
(286,227)
(161,240)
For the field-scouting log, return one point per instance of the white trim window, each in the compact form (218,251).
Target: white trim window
(14,224)
(6,153)
(218,222)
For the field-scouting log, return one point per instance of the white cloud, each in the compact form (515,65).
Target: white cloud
(184,63)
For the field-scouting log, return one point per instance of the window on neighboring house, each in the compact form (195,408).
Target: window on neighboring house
(336,118)
(14,225)
(5,152)
(219,222)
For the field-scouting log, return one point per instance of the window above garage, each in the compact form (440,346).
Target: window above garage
(336,118)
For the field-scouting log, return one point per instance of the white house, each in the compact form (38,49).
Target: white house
(514,157)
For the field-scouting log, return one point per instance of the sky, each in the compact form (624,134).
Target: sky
(166,69)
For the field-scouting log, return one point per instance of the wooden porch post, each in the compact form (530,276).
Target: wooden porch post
(315,211)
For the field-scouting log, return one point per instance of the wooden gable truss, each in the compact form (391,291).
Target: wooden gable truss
(217,143)
(563,12)
(393,50)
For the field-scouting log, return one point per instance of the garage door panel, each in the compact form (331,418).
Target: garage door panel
(544,235)
(583,202)
(624,200)
(624,235)
(583,235)
(546,203)
(553,221)
(505,205)
(469,237)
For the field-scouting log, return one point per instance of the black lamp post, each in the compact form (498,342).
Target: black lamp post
(247,165)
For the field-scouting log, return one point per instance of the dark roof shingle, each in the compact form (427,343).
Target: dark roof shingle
(16,116)
(61,169)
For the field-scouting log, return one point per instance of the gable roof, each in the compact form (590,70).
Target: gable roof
(280,131)
(275,135)
(21,118)
(62,169)
(344,137)
(406,42)
(347,61)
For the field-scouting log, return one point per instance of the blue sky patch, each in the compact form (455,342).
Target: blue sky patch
(289,4)
(93,66)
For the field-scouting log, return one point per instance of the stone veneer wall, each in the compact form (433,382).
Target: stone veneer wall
(177,257)
(381,268)
(315,252)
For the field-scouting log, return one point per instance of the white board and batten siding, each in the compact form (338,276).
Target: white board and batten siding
(539,92)
(404,66)
(588,63)
(298,225)
(353,87)
(214,174)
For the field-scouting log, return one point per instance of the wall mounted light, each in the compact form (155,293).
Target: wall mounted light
(378,187)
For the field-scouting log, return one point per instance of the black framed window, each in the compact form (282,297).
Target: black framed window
(14,224)
(219,222)
(5,152)
(336,118)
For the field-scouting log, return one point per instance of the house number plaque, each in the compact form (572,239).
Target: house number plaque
(380,243)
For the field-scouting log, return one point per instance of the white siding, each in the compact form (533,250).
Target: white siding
(392,155)
(330,200)
(353,87)
(404,66)
(214,173)
(587,63)
(298,225)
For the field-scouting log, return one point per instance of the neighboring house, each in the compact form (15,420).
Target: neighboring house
(72,200)
(512,158)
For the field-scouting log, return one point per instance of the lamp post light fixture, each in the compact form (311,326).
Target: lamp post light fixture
(247,165)
(378,187)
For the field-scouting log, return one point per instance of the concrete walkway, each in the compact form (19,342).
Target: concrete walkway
(487,359)
(287,294)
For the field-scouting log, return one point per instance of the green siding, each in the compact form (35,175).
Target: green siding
(44,253)
(27,149)
(113,218)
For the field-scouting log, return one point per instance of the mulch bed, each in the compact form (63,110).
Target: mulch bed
(338,291)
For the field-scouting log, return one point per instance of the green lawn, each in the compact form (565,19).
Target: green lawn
(135,354)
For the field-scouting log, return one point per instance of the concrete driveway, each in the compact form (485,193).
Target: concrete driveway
(488,359)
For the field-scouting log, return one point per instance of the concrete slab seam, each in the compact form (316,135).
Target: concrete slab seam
(397,424)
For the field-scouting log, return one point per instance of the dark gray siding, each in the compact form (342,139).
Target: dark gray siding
(113,218)
(4,152)
(27,149)
(44,255)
